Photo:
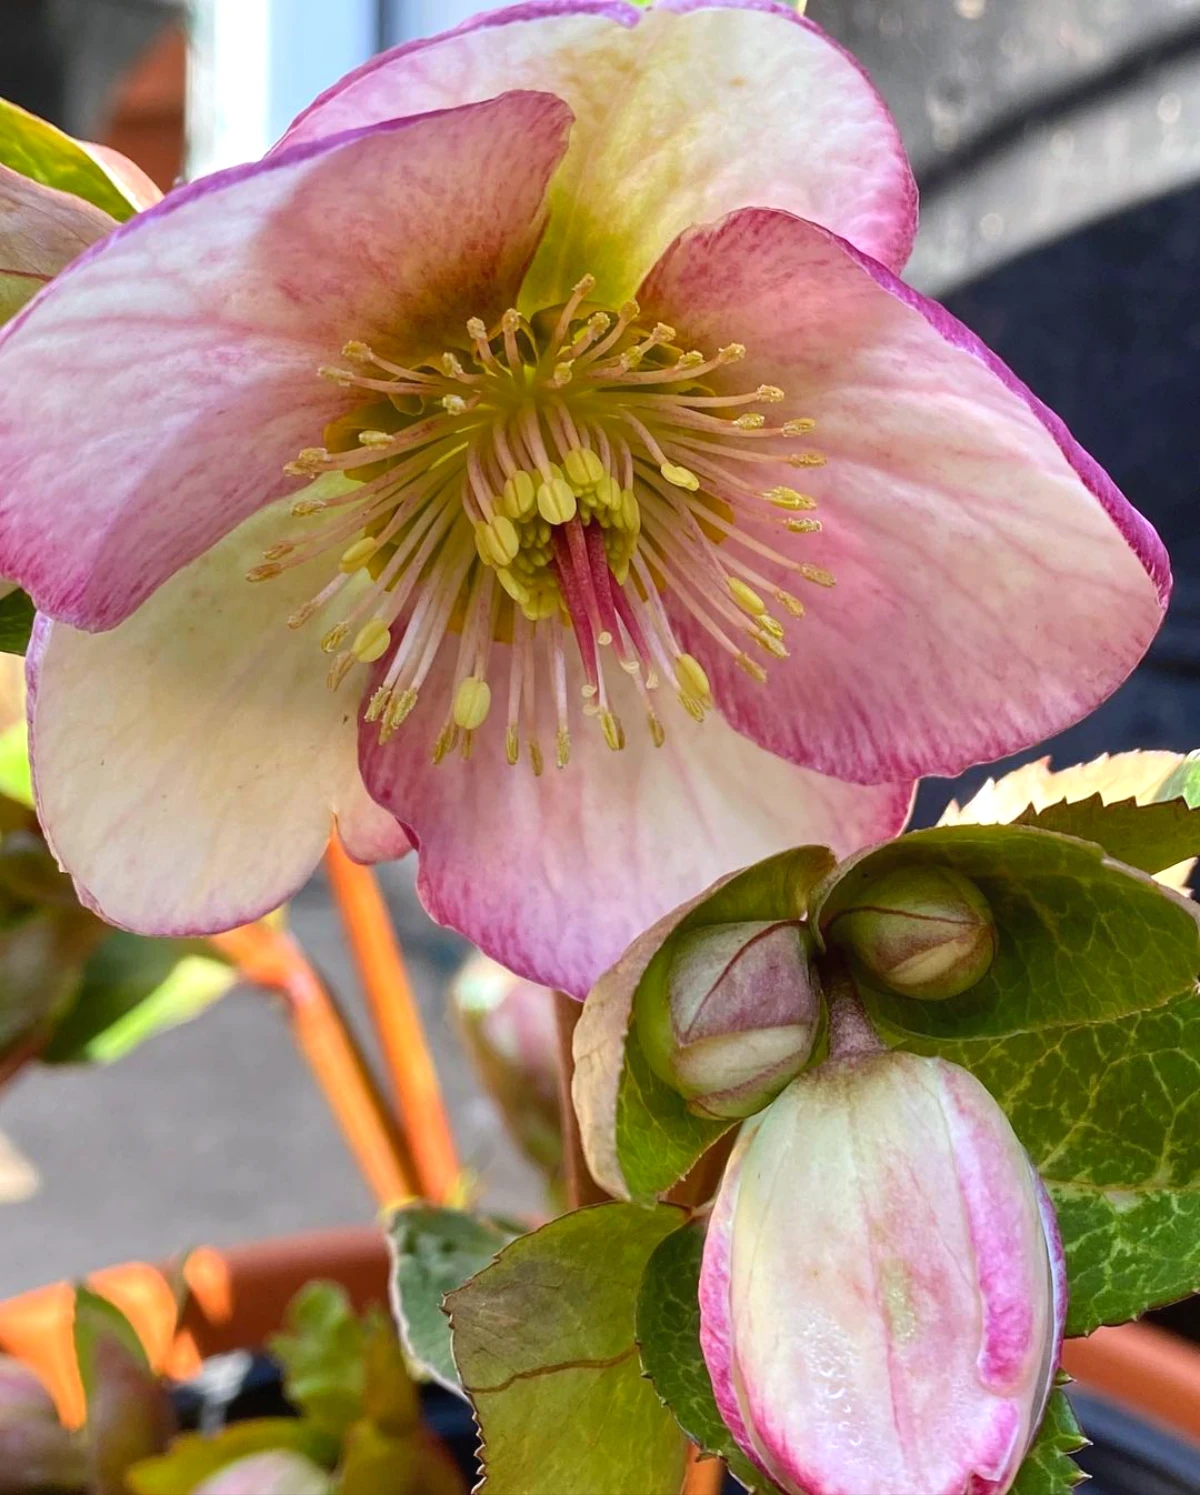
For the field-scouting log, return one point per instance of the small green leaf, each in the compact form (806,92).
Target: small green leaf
(545,1341)
(1048,1468)
(668,1332)
(435,1251)
(1081,938)
(134,988)
(322,1351)
(97,1319)
(658,1138)
(1151,837)
(37,150)
(1110,1115)
(16,609)
(194,1456)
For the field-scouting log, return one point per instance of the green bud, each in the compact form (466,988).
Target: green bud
(924,932)
(733,1018)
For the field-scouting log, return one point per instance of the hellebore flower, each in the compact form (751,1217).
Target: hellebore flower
(617,383)
(882,1296)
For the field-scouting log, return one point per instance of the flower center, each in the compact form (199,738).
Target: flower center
(556,479)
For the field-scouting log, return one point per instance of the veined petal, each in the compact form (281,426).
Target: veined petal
(189,762)
(992,585)
(683,113)
(41,231)
(554,875)
(149,402)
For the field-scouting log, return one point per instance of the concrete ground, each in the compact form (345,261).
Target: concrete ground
(215,1133)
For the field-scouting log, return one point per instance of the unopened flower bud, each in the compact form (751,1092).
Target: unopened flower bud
(882,1295)
(36,1451)
(734,1017)
(278,1472)
(921,931)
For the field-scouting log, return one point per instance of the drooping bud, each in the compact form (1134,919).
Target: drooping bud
(278,1472)
(883,1296)
(733,1018)
(36,1451)
(923,932)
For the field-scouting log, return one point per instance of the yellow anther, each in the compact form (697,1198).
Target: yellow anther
(302,615)
(792,604)
(562,747)
(374,438)
(583,468)
(769,392)
(356,349)
(265,572)
(772,645)
(556,501)
(512,746)
(454,404)
(356,556)
(745,597)
(770,625)
(664,333)
(690,359)
(278,551)
(519,496)
(732,353)
(755,671)
(818,575)
(305,506)
(608,492)
(597,323)
(311,459)
(536,760)
(689,673)
(378,704)
(631,512)
(693,707)
(802,526)
(562,374)
(451,366)
(585,285)
(788,498)
(341,377)
(798,427)
(477,329)
(503,538)
(679,477)
(630,359)
(397,712)
(511,320)
(515,588)
(630,311)
(371,642)
(339,669)
(806,459)
(472,702)
(657,735)
(446,739)
(751,422)
(335,637)
(614,733)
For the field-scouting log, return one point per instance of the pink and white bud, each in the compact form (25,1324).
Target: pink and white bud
(278,1472)
(883,1295)
(734,1017)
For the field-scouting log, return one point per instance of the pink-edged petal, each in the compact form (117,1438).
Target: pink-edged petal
(150,398)
(555,876)
(41,231)
(189,763)
(126,176)
(992,585)
(683,113)
(368,832)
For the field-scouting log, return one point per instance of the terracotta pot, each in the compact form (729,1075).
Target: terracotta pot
(237,1298)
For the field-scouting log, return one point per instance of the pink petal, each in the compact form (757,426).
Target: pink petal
(190,762)
(683,113)
(993,586)
(126,176)
(149,401)
(554,876)
(41,231)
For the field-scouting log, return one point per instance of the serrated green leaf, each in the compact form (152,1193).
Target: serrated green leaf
(1151,837)
(132,989)
(1110,1115)
(322,1352)
(16,611)
(37,150)
(195,1456)
(1081,939)
(668,1332)
(435,1251)
(545,1342)
(658,1138)
(1048,1468)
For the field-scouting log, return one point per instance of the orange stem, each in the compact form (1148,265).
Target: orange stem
(397,1020)
(704,1476)
(268,957)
